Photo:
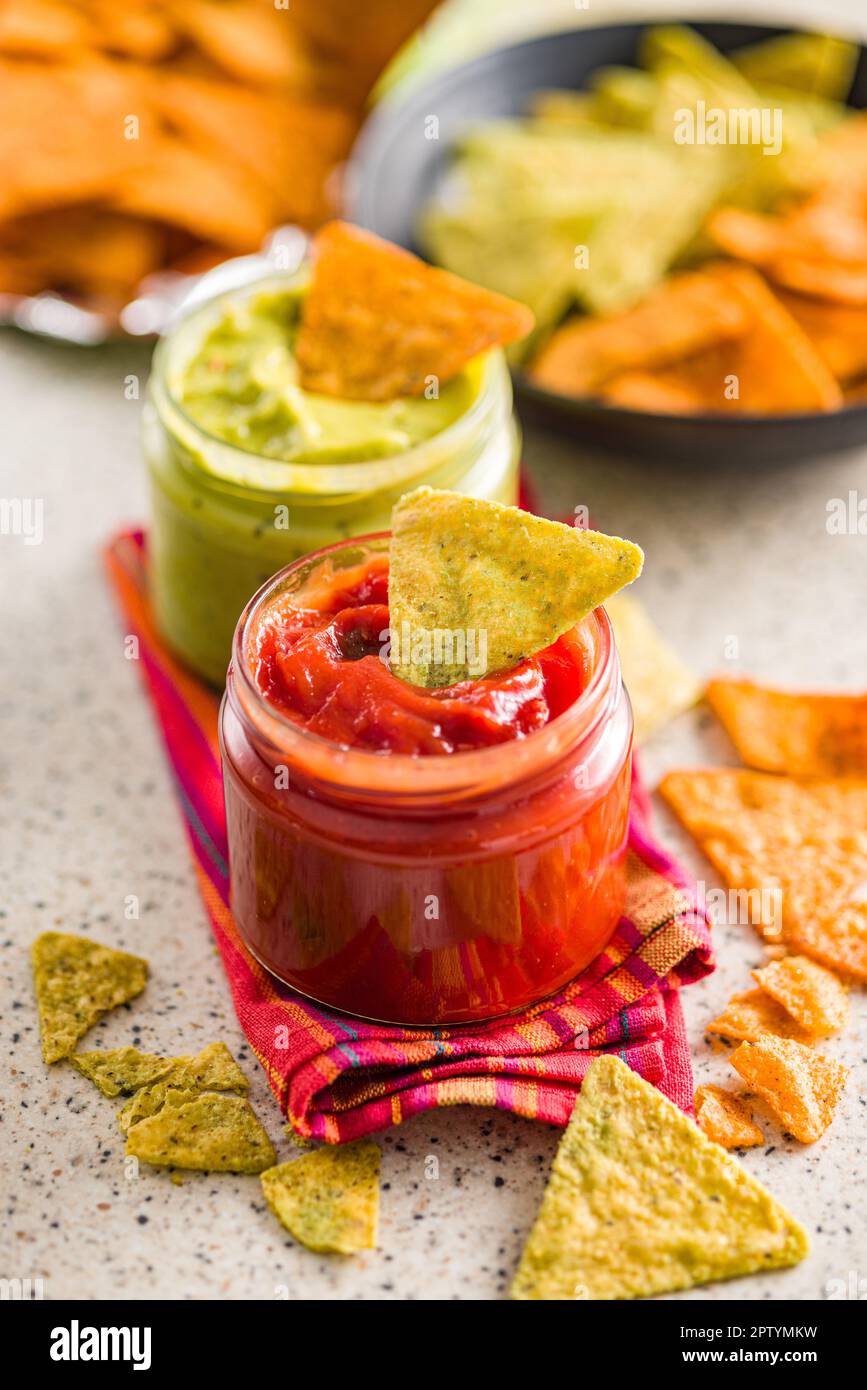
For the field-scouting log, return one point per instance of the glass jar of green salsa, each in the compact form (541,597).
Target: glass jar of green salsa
(248,471)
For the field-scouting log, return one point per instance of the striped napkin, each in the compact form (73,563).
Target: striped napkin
(338,1078)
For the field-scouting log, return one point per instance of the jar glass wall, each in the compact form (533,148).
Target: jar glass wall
(224,519)
(426,890)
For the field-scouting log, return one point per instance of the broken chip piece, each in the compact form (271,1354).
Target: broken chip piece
(462,565)
(76,982)
(640,1202)
(752,1015)
(212,1069)
(813,995)
(329,1199)
(215,1133)
(801,1087)
(782,731)
(725,1119)
(121,1070)
(660,686)
(378,323)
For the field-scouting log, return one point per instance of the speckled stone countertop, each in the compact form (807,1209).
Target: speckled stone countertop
(88,817)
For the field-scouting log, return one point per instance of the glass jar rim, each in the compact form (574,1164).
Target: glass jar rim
(290,481)
(408,778)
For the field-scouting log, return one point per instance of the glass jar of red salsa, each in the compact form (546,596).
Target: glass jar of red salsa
(418,857)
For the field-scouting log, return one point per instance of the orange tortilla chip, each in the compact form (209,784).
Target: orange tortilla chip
(782,731)
(829,226)
(378,323)
(753,1014)
(795,851)
(838,332)
(801,1088)
(814,996)
(254,43)
(842,284)
(685,313)
(772,367)
(725,1119)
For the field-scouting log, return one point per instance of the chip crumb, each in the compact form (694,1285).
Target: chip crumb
(802,1088)
(813,995)
(328,1199)
(77,981)
(725,1119)
(751,1015)
(209,1131)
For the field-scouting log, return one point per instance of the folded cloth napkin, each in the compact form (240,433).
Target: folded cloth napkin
(338,1078)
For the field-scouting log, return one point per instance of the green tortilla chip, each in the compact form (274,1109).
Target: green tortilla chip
(660,685)
(122,1070)
(76,982)
(495,581)
(212,1069)
(210,1132)
(640,1202)
(328,1200)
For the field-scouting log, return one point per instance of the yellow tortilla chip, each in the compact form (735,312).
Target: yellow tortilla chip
(329,1199)
(801,1088)
(684,314)
(377,323)
(77,981)
(507,581)
(795,852)
(751,1015)
(660,686)
(782,731)
(640,1202)
(212,1069)
(211,1132)
(122,1070)
(816,997)
(725,1119)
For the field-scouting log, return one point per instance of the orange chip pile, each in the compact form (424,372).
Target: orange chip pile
(725,1119)
(804,840)
(379,323)
(171,133)
(811,995)
(801,1088)
(749,1016)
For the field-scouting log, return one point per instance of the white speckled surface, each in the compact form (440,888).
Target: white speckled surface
(87,816)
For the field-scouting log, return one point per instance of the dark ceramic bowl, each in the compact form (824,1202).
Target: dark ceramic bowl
(393,173)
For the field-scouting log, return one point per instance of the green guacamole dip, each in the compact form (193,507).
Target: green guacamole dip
(242,386)
(248,471)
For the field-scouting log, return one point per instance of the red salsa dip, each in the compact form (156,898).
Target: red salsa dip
(420,857)
(321,659)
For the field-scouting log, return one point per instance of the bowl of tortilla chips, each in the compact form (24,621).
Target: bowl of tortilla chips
(683,207)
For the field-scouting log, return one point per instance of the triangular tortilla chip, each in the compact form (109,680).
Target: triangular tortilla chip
(753,1014)
(328,1200)
(803,735)
(725,1119)
(801,1088)
(212,1069)
(210,1132)
(814,996)
(660,686)
(122,1070)
(797,851)
(512,581)
(640,1202)
(377,323)
(77,981)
